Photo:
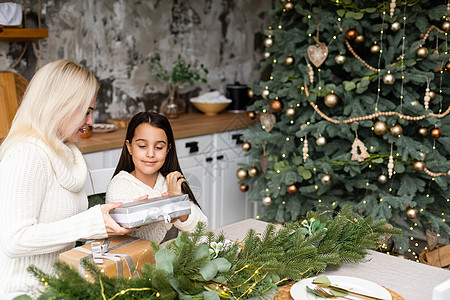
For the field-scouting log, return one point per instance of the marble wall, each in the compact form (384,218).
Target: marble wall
(116,38)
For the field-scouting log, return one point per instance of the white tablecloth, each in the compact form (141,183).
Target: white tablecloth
(409,279)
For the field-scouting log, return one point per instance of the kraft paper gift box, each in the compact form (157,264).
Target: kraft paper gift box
(124,257)
(138,213)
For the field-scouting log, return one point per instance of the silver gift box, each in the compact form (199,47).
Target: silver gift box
(138,213)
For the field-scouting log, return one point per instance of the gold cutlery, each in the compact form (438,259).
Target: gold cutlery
(332,287)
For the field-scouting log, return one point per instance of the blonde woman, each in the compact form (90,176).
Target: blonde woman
(42,175)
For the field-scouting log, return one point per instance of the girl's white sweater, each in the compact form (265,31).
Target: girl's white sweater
(43,211)
(124,187)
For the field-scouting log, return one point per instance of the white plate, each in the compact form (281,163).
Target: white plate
(298,290)
(103,127)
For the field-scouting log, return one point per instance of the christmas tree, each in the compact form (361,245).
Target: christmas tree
(356,111)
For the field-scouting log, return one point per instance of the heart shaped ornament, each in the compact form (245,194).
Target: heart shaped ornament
(317,54)
(267,120)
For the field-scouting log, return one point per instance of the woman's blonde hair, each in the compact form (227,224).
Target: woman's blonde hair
(58,92)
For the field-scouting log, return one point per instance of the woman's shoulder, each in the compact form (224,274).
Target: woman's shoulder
(27,150)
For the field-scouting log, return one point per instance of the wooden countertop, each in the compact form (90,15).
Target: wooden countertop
(187,125)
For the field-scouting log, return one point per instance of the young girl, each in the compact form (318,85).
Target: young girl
(149,166)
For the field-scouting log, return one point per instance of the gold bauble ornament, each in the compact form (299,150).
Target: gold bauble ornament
(436,133)
(351,34)
(446,26)
(243,188)
(290,112)
(419,166)
(267,201)
(422,156)
(396,26)
(246,146)
(411,213)
(265,94)
(340,59)
(380,128)
(267,55)
(415,102)
(326,179)
(382,178)
(331,100)
(289,6)
(422,52)
(253,172)
(292,189)
(268,42)
(388,78)
(321,141)
(396,130)
(250,93)
(375,48)
(241,174)
(252,115)
(423,131)
(276,106)
(289,60)
(359,39)
(447,67)
(447,173)
(432,94)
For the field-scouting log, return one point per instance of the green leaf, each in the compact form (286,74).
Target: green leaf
(322,279)
(310,290)
(355,15)
(23,297)
(349,85)
(209,270)
(378,160)
(210,295)
(222,264)
(340,12)
(201,251)
(164,260)
(399,167)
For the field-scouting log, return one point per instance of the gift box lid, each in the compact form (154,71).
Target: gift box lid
(138,213)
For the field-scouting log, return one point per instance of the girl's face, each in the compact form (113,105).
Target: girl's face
(148,149)
(87,121)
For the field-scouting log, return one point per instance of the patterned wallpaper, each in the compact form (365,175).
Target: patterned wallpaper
(116,38)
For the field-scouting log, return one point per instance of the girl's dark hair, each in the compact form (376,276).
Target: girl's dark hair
(170,164)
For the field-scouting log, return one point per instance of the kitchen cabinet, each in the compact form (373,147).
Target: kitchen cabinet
(209,163)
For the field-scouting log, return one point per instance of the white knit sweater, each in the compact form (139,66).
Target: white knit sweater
(43,211)
(124,187)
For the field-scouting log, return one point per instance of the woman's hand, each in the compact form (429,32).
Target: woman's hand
(181,218)
(112,228)
(141,198)
(174,181)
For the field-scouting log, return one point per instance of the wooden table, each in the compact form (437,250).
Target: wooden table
(409,279)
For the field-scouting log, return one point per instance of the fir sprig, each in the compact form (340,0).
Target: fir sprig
(186,269)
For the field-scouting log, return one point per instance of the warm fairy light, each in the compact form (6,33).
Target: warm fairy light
(411,228)
(320,200)
(102,270)
(309,34)
(390,189)
(274,61)
(264,110)
(371,148)
(158,294)
(316,187)
(370,166)
(279,26)
(307,123)
(389,207)
(278,171)
(279,187)
(257,217)
(314,169)
(267,189)
(301,139)
(283,204)
(381,199)
(309,16)
(421,210)
(364,201)
(42,279)
(411,238)
(283,155)
(409,250)
(339,19)
(291,121)
(287,139)
(428,195)
(367,184)
(271,77)
(334,203)
(122,292)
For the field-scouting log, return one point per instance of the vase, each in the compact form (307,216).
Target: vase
(173,106)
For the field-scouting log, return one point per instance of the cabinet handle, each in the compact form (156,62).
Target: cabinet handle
(237,137)
(219,157)
(193,147)
(209,159)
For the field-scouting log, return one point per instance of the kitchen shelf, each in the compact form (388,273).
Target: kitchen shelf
(22,34)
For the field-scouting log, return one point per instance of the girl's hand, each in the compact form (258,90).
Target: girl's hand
(112,228)
(174,181)
(181,218)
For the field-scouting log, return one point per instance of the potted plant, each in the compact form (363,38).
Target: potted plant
(181,74)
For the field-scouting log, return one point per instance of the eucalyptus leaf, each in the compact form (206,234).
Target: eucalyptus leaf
(223,265)
(322,279)
(209,270)
(164,260)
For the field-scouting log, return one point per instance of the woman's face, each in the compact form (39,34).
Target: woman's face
(148,149)
(87,121)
